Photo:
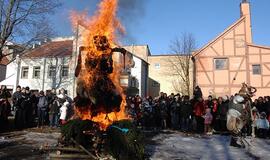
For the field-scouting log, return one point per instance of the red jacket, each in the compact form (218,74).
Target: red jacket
(199,108)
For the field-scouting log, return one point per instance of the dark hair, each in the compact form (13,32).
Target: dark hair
(27,88)
(41,92)
(19,87)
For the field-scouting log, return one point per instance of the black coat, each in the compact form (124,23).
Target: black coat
(17,99)
(185,109)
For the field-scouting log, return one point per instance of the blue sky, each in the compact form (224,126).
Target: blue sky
(161,21)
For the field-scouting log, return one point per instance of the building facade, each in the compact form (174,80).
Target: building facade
(52,65)
(231,59)
(43,68)
(165,75)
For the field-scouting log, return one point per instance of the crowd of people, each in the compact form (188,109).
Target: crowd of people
(188,114)
(197,115)
(35,108)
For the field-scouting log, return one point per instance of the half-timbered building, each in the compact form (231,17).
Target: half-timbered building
(231,59)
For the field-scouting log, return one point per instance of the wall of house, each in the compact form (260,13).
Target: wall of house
(230,46)
(144,78)
(259,55)
(140,51)
(136,72)
(3,69)
(234,45)
(45,82)
(163,77)
(10,77)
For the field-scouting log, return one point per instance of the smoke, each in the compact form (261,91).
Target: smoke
(130,13)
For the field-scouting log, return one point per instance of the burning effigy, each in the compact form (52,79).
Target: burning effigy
(100,122)
(100,98)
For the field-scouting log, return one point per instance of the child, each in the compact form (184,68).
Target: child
(63,113)
(262,125)
(255,117)
(207,121)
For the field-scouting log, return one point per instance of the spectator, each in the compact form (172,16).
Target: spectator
(5,108)
(175,112)
(26,104)
(207,121)
(42,109)
(199,110)
(16,100)
(262,126)
(185,114)
(54,108)
(197,93)
(222,110)
(64,113)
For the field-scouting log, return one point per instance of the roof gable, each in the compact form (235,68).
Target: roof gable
(51,49)
(226,31)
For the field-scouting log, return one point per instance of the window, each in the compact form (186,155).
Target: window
(256,69)
(36,72)
(157,65)
(65,71)
(221,63)
(52,71)
(24,72)
(155,84)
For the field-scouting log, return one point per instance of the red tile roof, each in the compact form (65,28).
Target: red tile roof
(4,61)
(51,49)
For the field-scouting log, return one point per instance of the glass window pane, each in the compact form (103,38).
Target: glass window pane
(36,72)
(24,73)
(65,71)
(221,63)
(256,69)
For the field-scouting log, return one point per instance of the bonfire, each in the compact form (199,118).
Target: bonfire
(100,123)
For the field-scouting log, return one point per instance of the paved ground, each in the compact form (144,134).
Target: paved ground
(173,145)
(167,145)
(27,144)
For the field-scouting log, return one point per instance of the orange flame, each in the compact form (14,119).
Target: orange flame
(103,23)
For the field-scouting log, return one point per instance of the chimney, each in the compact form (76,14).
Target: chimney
(245,12)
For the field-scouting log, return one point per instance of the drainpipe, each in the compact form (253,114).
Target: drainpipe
(194,73)
(75,59)
(44,71)
(18,63)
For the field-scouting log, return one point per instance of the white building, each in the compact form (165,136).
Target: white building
(43,68)
(52,65)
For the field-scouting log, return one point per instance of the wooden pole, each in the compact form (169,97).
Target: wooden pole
(85,150)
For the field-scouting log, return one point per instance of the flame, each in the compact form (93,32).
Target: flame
(103,23)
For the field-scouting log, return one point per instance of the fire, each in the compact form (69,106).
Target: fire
(103,23)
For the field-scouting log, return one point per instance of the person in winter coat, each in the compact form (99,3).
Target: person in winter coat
(185,114)
(16,100)
(262,125)
(42,109)
(222,109)
(197,93)
(64,113)
(27,106)
(54,108)
(199,110)
(175,112)
(5,108)
(207,121)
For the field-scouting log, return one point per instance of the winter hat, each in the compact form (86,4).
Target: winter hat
(254,109)
(61,96)
(224,98)
(238,99)
(263,115)
(66,104)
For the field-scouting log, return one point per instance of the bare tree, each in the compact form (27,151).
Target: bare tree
(24,21)
(182,47)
